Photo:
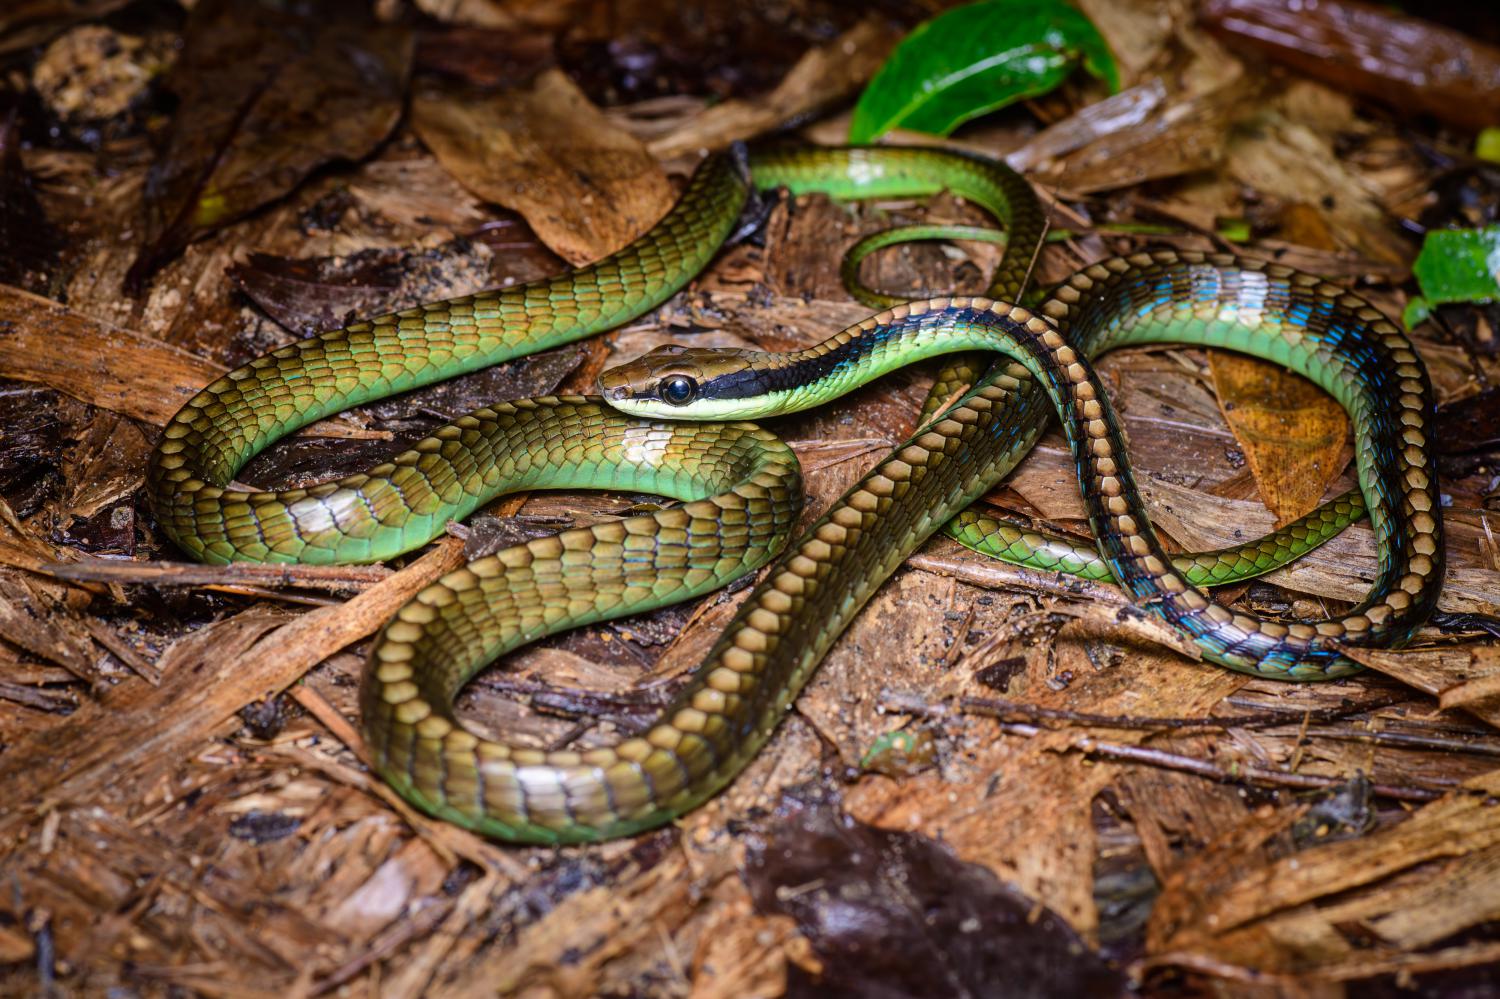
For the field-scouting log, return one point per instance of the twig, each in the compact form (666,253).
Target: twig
(123,651)
(1248,775)
(335,578)
(1410,740)
(317,705)
(998,707)
(42,700)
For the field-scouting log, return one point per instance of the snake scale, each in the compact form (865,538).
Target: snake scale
(741,487)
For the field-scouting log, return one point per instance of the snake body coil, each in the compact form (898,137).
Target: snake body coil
(743,493)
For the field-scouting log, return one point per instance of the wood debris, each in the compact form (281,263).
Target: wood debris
(186,803)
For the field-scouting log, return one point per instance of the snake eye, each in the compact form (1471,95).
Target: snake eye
(678,390)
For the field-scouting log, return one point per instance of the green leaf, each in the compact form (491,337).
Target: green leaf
(1416,312)
(1456,265)
(971,60)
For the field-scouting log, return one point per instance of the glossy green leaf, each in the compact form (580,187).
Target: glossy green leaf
(971,60)
(1455,265)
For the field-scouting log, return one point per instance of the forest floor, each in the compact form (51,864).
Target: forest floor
(186,804)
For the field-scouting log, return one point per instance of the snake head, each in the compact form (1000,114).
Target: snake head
(689,383)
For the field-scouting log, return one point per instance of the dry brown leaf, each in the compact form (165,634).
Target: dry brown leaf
(1134,136)
(267,96)
(1292,432)
(822,77)
(24,23)
(1138,31)
(586,187)
(1291,161)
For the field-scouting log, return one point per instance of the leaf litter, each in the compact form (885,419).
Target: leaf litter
(186,801)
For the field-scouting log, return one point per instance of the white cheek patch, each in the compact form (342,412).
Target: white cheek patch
(646,446)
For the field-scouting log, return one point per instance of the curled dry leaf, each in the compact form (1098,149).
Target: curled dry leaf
(586,187)
(266,97)
(1140,134)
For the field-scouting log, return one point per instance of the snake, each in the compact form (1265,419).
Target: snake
(741,490)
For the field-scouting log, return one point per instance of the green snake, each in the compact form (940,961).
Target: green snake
(742,490)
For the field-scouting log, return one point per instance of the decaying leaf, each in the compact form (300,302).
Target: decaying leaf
(823,76)
(25,23)
(267,96)
(307,296)
(586,187)
(1292,432)
(29,245)
(1403,60)
(891,914)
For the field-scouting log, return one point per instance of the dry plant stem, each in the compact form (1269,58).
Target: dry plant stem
(1363,968)
(1409,740)
(317,705)
(1001,707)
(334,578)
(1248,775)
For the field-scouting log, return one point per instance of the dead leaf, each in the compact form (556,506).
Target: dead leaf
(1411,64)
(1282,158)
(1292,432)
(29,245)
(25,23)
(308,295)
(909,917)
(1257,915)
(1138,135)
(586,187)
(207,678)
(822,77)
(1467,678)
(266,98)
